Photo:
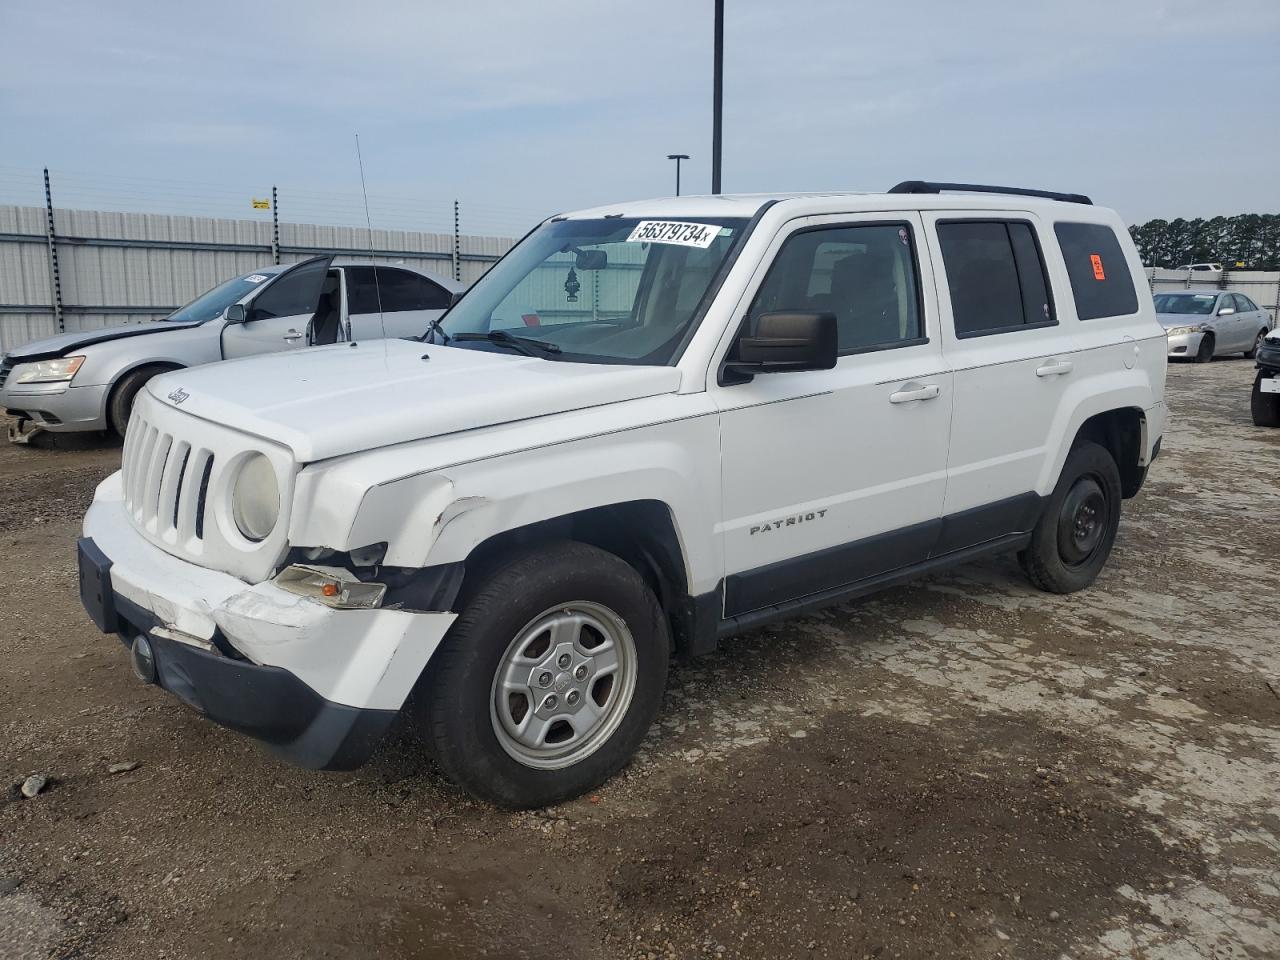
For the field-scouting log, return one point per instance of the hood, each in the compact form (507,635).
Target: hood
(343,399)
(66,343)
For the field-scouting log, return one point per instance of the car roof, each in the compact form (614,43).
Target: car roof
(447,282)
(1189,293)
(748,204)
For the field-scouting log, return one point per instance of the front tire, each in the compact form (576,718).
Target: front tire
(120,406)
(1074,535)
(1257,342)
(1265,407)
(548,680)
(1205,353)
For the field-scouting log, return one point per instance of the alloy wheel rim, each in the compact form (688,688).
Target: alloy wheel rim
(563,685)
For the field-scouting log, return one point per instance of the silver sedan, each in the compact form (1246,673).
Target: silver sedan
(1205,324)
(87,380)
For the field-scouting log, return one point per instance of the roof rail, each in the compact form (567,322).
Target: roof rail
(929,186)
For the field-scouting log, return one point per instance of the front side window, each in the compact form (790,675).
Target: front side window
(613,290)
(1099,272)
(864,274)
(995,275)
(294,294)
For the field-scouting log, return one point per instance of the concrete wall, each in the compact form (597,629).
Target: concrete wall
(118,268)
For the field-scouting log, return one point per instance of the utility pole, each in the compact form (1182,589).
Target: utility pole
(51,238)
(457,246)
(275,226)
(677,157)
(717,97)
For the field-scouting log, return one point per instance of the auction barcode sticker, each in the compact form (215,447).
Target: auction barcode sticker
(674,231)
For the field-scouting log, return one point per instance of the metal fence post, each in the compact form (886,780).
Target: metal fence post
(55,280)
(275,226)
(457,246)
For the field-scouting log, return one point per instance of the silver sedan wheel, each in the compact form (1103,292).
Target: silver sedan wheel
(564,685)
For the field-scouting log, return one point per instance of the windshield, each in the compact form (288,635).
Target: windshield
(210,305)
(1188,303)
(606,291)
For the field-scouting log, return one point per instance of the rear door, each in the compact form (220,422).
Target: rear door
(1012,362)
(390,302)
(278,317)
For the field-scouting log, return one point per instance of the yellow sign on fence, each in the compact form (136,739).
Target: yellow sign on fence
(261,204)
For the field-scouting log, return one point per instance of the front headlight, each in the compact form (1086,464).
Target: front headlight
(58,370)
(255,498)
(1191,328)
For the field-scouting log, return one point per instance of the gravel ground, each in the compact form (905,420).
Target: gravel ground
(959,768)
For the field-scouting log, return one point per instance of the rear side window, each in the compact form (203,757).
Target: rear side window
(399,290)
(995,275)
(1100,278)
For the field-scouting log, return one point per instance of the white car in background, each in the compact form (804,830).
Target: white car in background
(1207,324)
(88,380)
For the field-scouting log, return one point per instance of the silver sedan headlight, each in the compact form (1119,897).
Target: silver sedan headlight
(57,370)
(1191,328)
(255,498)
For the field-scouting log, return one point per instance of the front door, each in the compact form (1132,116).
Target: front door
(1013,363)
(279,317)
(834,476)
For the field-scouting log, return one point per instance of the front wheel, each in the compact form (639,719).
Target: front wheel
(1074,535)
(1257,343)
(548,680)
(1265,407)
(1205,353)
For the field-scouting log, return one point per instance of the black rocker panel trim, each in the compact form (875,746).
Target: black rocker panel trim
(992,520)
(732,626)
(847,564)
(828,568)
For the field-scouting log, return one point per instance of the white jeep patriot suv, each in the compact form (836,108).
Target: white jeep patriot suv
(650,426)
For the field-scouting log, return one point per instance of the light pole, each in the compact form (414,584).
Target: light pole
(677,157)
(717,97)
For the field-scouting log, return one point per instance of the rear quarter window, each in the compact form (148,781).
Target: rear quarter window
(1099,272)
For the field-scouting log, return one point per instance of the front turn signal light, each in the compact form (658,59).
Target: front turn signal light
(332,586)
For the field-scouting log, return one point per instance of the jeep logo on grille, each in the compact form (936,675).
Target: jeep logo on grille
(177,396)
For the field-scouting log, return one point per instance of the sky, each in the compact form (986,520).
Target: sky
(518,110)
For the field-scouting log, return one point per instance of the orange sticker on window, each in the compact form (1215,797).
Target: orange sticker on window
(1098,273)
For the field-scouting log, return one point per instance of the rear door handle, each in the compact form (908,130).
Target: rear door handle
(292,335)
(915,392)
(1054,368)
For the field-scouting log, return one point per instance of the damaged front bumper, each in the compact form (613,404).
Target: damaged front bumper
(319,686)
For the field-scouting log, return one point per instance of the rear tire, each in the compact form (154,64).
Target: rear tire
(1074,535)
(568,623)
(120,406)
(1205,353)
(1265,407)
(1257,342)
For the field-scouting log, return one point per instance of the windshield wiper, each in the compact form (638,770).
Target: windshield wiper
(529,346)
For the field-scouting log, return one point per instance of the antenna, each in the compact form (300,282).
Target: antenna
(377,287)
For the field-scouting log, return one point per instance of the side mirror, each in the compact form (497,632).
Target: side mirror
(591,260)
(1226,311)
(236,313)
(786,342)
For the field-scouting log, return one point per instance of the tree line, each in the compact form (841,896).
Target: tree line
(1249,238)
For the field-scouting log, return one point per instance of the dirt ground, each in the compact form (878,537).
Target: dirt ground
(960,768)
